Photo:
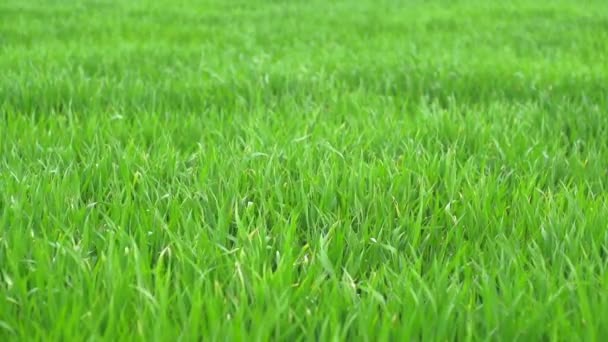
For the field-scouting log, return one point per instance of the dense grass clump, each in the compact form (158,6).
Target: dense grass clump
(319,170)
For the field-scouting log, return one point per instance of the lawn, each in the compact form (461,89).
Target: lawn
(303,170)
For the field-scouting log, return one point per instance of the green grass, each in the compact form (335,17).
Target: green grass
(303,170)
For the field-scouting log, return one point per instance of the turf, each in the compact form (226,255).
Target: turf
(303,170)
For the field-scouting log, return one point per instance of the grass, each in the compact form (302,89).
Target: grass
(321,170)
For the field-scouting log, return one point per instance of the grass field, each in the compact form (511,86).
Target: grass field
(303,170)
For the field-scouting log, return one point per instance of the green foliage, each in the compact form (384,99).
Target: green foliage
(324,170)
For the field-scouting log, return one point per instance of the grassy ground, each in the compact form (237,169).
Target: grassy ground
(297,170)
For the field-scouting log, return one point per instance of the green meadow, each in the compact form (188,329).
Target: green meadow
(369,170)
